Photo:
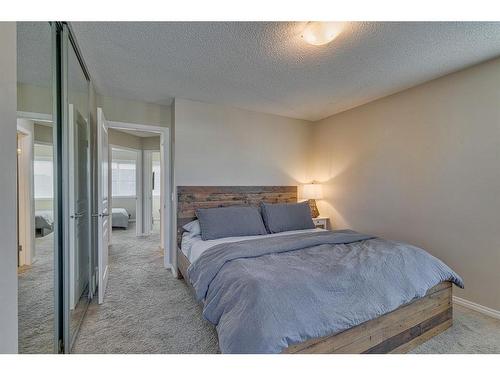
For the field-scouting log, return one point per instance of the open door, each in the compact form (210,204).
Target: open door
(103,205)
(79,203)
(78,206)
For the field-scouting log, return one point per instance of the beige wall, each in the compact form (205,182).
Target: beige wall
(43,133)
(131,111)
(38,99)
(218,145)
(31,98)
(8,253)
(422,166)
(150,143)
(118,138)
(44,204)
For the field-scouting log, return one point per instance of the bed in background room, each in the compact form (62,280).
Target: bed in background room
(307,290)
(120,217)
(44,222)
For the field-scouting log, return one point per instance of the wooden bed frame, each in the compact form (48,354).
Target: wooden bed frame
(396,332)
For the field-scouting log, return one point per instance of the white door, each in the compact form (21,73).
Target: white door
(103,204)
(78,205)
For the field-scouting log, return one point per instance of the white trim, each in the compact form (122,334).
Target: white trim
(123,148)
(477,307)
(35,116)
(103,212)
(26,193)
(72,226)
(140,127)
(138,200)
(37,142)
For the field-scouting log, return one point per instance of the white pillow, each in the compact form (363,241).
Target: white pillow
(193,227)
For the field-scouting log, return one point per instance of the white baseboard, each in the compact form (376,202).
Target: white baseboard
(477,307)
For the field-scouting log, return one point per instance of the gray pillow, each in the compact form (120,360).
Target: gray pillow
(283,217)
(193,227)
(232,221)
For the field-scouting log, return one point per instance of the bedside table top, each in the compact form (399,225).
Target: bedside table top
(321,218)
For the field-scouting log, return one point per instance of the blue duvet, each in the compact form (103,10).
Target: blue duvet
(266,294)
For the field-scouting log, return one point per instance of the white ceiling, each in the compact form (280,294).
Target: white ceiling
(267,67)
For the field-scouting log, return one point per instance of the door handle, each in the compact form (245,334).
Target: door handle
(78,215)
(99,215)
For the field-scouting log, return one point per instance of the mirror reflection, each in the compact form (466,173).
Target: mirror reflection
(79,192)
(35,178)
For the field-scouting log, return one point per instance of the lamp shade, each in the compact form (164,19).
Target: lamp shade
(312,191)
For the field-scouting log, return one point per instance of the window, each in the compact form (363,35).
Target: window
(43,172)
(156,173)
(123,178)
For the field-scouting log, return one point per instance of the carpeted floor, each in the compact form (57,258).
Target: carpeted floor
(147,310)
(471,333)
(36,300)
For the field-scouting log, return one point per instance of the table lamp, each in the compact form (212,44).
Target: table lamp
(311,192)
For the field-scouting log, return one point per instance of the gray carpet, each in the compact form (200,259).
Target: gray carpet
(36,300)
(471,332)
(146,310)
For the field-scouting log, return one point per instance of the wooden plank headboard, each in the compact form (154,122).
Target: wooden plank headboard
(189,198)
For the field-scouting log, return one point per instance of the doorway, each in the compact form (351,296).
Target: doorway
(138,186)
(35,234)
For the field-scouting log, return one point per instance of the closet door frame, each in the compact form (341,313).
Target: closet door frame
(58,222)
(63,40)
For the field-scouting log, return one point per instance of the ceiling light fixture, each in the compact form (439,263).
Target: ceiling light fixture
(319,33)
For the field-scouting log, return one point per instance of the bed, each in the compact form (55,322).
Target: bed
(248,294)
(44,222)
(120,217)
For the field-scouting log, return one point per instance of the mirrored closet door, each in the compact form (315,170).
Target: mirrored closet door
(37,259)
(54,187)
(76,184)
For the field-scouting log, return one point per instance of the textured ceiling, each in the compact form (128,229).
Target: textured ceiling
(267,67)
(34,58)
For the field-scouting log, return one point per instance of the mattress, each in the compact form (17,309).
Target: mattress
(194,246)
(120,217)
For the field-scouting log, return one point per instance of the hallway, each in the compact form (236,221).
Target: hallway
(145,310)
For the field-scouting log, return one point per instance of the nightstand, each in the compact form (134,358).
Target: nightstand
(321,222)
